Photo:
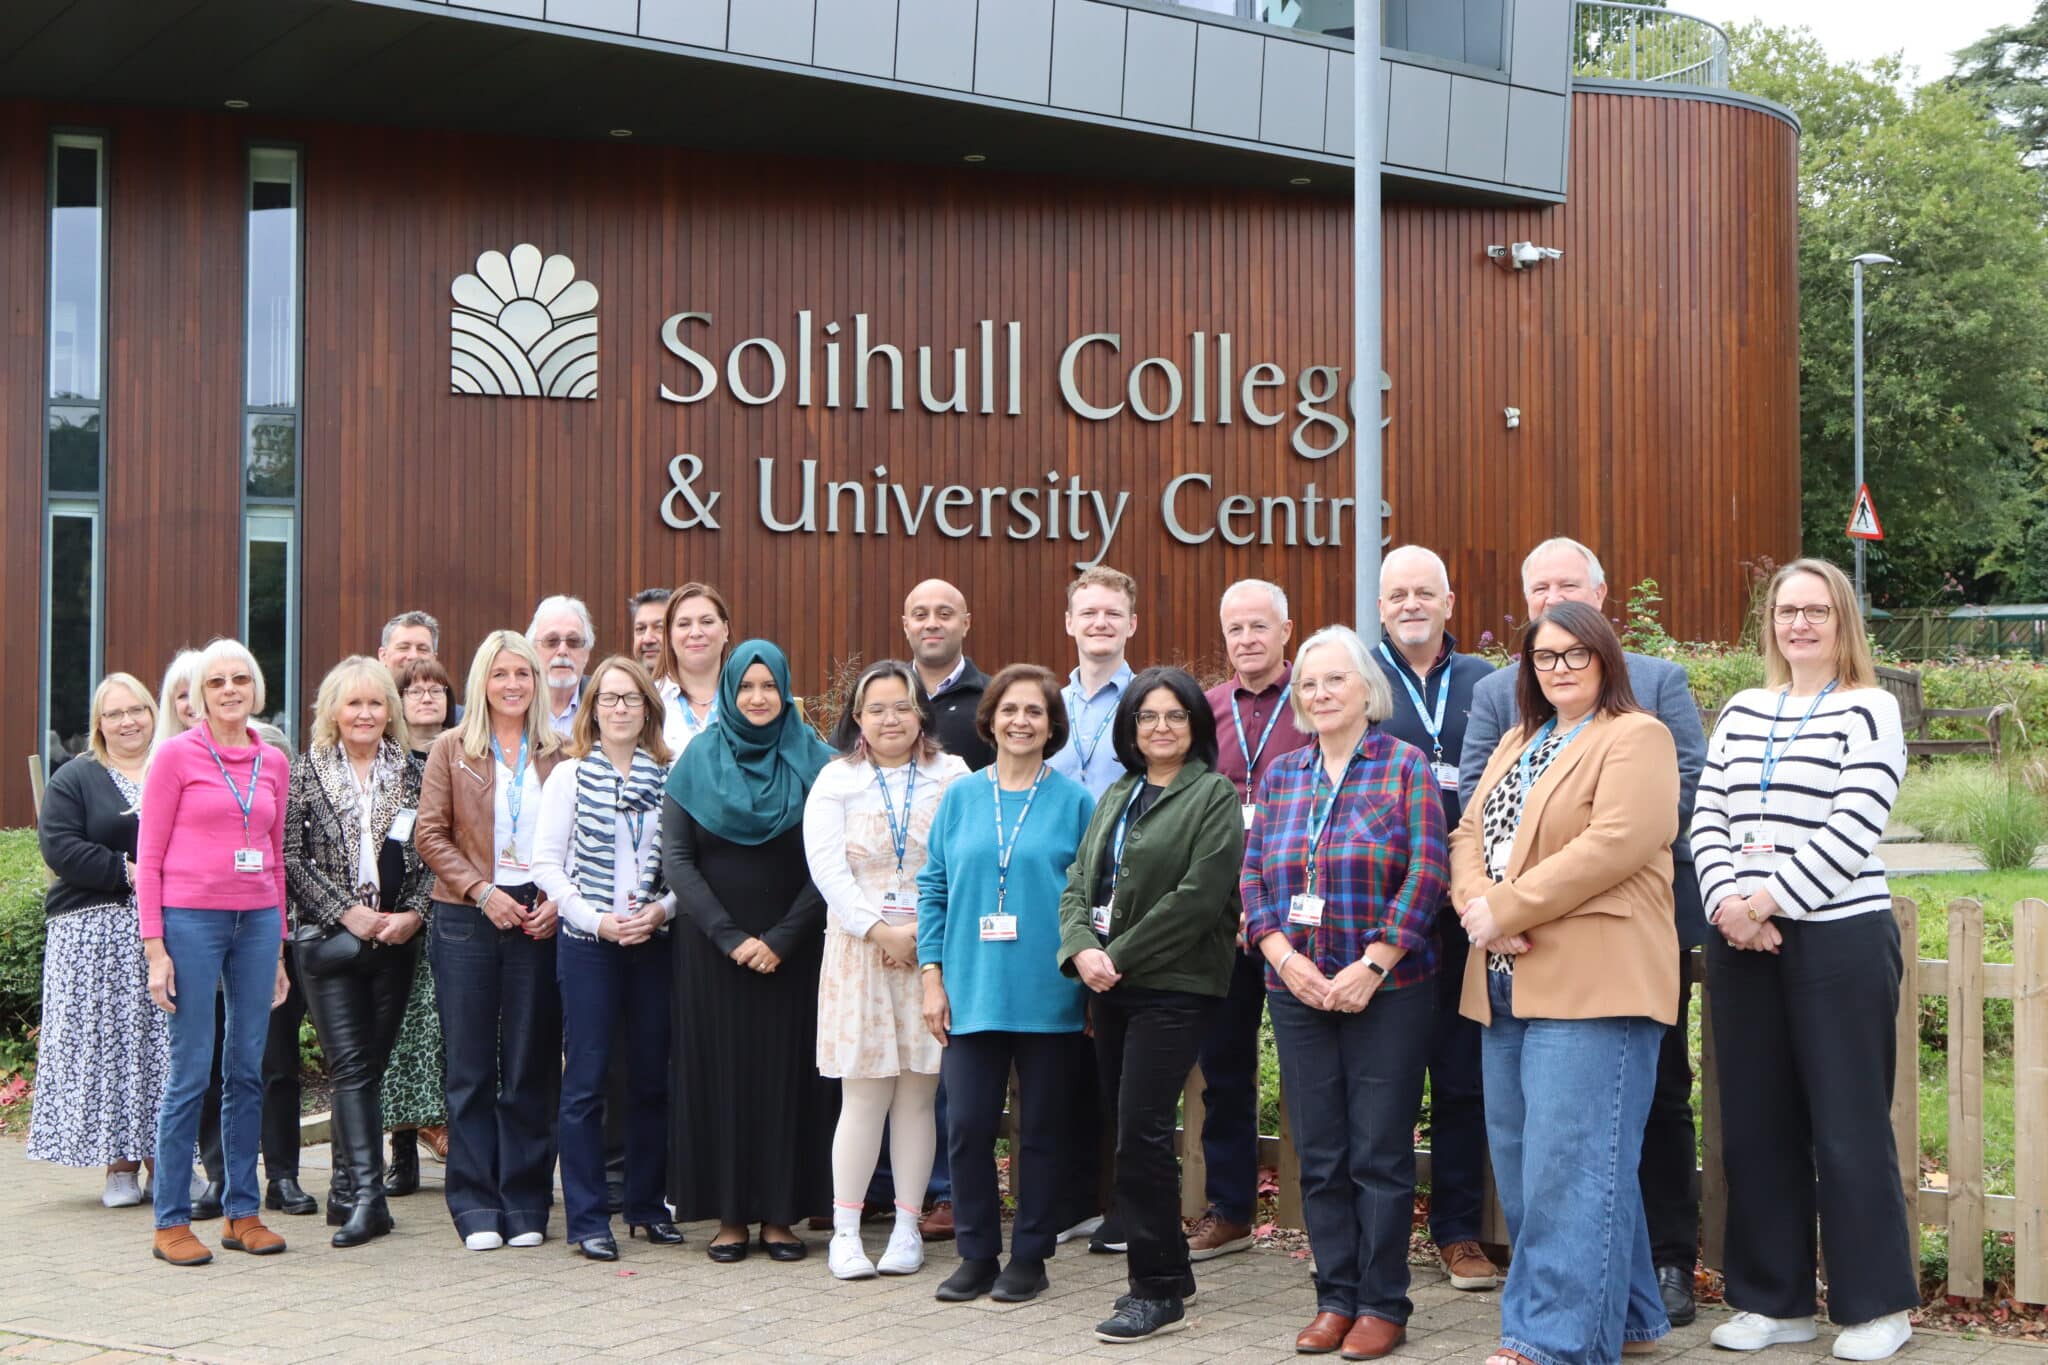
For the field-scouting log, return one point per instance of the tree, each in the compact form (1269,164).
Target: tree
(1956,336)
(2008,67)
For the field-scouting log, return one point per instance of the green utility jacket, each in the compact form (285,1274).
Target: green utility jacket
(1174,922)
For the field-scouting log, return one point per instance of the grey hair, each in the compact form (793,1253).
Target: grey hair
(559,603)
(1272,591)
(233,651)
(1427,555)
(1594,572)
(185,669)
(410,620)
(1379,698)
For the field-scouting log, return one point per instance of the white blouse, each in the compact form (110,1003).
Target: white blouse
(551,855)
(845,822)
(679,723)
(503,831)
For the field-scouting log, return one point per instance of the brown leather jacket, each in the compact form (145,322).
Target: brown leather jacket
(458,817)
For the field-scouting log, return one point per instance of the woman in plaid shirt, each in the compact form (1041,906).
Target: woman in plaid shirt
(1344,866)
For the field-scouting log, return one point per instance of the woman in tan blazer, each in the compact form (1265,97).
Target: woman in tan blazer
(1561,872)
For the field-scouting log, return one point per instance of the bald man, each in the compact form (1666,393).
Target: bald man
(935,622)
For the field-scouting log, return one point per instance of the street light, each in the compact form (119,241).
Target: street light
(1867,258)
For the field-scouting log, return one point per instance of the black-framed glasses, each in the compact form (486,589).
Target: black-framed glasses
(1548,660)
(620,701)
(1815,615)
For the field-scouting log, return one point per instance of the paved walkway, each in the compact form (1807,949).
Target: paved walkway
(77,1283)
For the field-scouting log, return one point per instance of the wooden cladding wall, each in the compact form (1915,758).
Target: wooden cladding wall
(24,373)
(1655,367)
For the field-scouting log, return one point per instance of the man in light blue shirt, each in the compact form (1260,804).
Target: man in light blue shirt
(1102,615)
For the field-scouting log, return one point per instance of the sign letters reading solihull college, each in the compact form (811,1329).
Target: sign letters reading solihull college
(542,342)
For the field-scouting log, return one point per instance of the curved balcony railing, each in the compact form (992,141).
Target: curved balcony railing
(1616,41)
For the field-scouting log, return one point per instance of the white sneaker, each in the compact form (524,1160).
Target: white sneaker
(905,1254)
(1877,1339)
(847,1259)
(123,1190)
(1085,1228)
(483,1241)
(1754,1331)
(527,1239)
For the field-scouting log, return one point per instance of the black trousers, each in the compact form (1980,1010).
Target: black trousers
(976,1072)
(1230,1092)
(1457,1109)
(357,1015)
(1669,1171)
(281,1092)
(1145,1043)
(1808,1034)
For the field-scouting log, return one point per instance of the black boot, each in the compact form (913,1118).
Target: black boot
(206,1204)
(285,1196)
(341,1190)
(359,1138)
(404,1176)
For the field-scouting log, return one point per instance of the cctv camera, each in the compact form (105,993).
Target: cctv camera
(1526,254)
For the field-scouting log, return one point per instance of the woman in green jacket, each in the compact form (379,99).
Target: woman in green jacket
(1148,923)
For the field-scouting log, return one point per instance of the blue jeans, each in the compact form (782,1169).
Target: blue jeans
(237,952)
(1566,1100)
(602,986)
(1230,1092)
(1353,1084)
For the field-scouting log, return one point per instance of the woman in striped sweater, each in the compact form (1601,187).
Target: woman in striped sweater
(1800,778)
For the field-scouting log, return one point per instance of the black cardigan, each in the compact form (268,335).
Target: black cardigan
(87,833)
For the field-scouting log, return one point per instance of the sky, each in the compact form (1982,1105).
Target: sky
(1854,30)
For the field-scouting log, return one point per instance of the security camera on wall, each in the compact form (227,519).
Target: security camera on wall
(1523,255)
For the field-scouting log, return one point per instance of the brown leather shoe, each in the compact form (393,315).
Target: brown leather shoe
(1468,1266)
(435,1135)
(1371,1338)
(249,1234)
(1217,1236)
(1322,1336)
(177,1245)
(938,1223)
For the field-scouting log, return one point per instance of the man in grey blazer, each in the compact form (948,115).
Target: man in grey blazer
(1563,570)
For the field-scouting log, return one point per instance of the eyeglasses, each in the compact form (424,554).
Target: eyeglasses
(122,717)
(1817,615)
(882,710)
(1173,720)
(216,684)
(1547,660)
(422,693)
(551,643)
(1329,682)
(620,701)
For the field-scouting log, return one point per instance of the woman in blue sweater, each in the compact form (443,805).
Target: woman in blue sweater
(988,932)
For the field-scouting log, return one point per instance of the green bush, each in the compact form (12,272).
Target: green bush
(2018,683)
(22,879)
(1984,805)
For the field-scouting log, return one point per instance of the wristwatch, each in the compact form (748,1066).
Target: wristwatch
(1376,969)
(928,967)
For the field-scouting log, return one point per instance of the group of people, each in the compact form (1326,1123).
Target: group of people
(638,918)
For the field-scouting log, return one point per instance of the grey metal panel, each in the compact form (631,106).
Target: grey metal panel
(700,23)
(1479,129)
(1535,140)
(620,16)
(935,43)
(856,35)
(521,9)
(1293,90)
(1340,120)
(1159,69)
(1541,58)
(1227,79)
(1013,50)
(1418,117)
(1088,56)
(780,29)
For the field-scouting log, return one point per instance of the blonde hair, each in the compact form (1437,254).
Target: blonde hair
(134,684)
(476,706)
(1854,666)
(1379,698)
(341,680)
(583,737)
(1102,576)
(223,648)
(185,669)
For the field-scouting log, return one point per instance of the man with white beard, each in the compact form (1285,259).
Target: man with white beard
(563,636)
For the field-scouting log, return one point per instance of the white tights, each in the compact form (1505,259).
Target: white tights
(906,1101)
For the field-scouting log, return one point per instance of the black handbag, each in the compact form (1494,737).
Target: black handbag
(328,950)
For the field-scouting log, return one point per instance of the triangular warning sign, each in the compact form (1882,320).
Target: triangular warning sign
(1863,523)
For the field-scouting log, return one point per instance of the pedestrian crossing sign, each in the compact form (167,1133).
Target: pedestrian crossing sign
(1863,523)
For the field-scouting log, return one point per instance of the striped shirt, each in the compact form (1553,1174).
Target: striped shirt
(1831,792)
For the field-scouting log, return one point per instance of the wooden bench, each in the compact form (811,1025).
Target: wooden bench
(1917,718)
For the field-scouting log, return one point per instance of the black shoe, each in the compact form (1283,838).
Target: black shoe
(784,1251)
(1109,1239)
(1022,1280)
(600,1248)
(661,1234)
(614,1198)
(367,1219)
(285,1196)
(1137,1319)
(1674,1286)
(969,1282)
(727,1253)
(207,1204)
(402,1177)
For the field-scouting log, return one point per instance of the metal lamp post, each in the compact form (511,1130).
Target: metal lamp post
(1365,311)
(1867,258)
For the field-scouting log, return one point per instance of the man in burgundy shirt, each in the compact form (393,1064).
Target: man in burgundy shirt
(1254,726)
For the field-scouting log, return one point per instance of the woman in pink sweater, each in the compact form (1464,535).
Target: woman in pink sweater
(209,886)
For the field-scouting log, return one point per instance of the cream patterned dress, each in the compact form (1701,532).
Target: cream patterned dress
(870,1016)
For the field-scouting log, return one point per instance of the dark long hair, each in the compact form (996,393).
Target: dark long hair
(846,735)
(1188,692)
(1595,632)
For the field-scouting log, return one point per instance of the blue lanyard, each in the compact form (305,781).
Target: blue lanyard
(1006,847)
(244,803)
(899,835)
(691,725)
(1319,823)
(1771,756)
(1251,756)
(1433,724)
(515,795)
(1549,727)
(1123,826)
(1094,745)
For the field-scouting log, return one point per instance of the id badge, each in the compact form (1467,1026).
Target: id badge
(1099,918)
(1758,840)
(1446,775)
(509,859)
(401,825)
(248,860)
(1251,812)
(898,907)
(998,928)
(1303,908)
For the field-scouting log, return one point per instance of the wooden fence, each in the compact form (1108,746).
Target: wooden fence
(1966,981)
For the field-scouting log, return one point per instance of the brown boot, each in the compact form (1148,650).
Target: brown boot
(249,1234)
(178,1246)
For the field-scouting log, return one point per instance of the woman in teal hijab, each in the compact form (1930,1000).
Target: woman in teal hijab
(750,1121)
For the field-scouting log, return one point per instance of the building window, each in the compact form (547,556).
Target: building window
(270,427)
(74,442)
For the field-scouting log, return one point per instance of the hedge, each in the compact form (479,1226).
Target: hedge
(22,879)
